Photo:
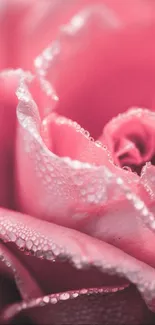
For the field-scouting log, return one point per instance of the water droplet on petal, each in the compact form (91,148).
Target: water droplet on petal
(29,244)
(64,296)
(53,300)
(46,299)
(75,294)
(139,204)
(20,242)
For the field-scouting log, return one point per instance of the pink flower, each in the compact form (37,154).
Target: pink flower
(77,167)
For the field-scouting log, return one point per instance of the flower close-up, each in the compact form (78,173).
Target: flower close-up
(77,162)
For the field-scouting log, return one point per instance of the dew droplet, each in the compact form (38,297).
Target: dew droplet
(98,144)
(75,294)
(119,181)
(39,254)
(53,300)
(84,291)
(77,262)
(139,204)
(56,251)
(64,296)
(46,299)
(145,212)
(129,196)
(34,248)
(49,255)
(20,242)
(12,236)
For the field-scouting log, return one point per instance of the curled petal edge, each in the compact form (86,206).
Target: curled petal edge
(81,250)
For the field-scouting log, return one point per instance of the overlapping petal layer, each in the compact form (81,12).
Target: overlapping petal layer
(113,307)
(8,101)
(130,138)
(59,245)
(77,185)
(52,242)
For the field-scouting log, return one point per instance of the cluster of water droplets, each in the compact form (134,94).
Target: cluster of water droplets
(73,180)
(64,296)
(148,180)
(42,247)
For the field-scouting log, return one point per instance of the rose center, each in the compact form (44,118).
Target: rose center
(130,139)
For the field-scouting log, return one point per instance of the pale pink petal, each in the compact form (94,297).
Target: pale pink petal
(12,13)
(91,68)
(148,181)
(56,242)
(8,101)
(124,228)
(130,138)
(3,60)
(66,138)
(34,24)
(93,199)
(57,188)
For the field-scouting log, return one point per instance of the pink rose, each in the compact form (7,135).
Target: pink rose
(77,166)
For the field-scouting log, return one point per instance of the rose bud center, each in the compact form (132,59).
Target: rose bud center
(131,139)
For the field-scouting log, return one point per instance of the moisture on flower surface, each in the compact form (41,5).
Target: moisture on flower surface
(77,162)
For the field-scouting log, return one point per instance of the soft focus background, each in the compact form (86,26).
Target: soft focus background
(27,26)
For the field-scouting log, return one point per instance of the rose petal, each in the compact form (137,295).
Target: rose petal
(15,273)
(101,84)
(74,188)
(28,19)
(147,179)
(120,307)
(57,133)
(79,248)
(8,102)
(91,199)
(125,229)
(2,44)
(131,133)
(12,14)
(59,275)
(42,18)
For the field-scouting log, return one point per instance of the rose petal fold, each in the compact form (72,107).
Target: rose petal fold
(81,250)
(130,137)
(17,283)
(9,80)
(25,282)
(57,133)
(120,306)
(75,188)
